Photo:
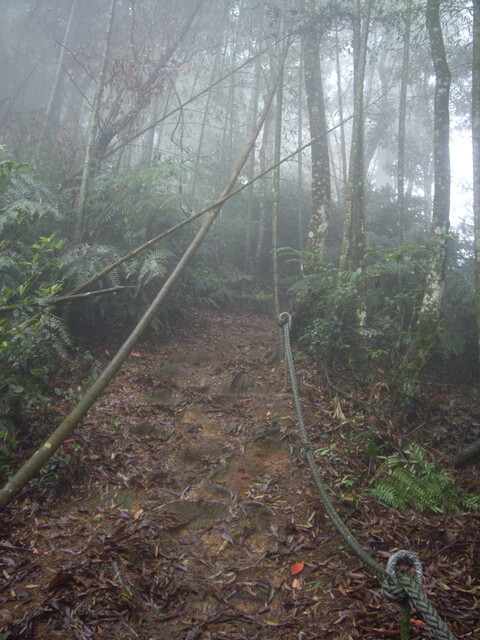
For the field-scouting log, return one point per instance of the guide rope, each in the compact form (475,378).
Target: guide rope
(398,587)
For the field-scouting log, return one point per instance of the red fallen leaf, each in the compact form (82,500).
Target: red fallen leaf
(419,623)
(298,567)
(245,477)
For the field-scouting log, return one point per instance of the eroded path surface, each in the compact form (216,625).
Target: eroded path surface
(190,506)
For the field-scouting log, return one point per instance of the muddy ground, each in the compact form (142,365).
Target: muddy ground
(181,509)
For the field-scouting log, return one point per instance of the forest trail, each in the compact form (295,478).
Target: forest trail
(190,506)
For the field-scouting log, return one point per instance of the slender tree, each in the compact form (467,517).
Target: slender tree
(255,95)
(321,189)
(58,75)
(80,204)
(276,193)
(263,160)
(435,283)
(343,146)
(401,126)
(300,157)
(476,153)
(353,237)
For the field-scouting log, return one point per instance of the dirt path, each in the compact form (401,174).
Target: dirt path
(190,507)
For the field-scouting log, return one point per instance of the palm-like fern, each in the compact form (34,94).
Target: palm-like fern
(413,481)
(23,186)
(54,335)
(145,269)
(83,260)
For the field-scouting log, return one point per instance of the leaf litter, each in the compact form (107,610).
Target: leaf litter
(186,512)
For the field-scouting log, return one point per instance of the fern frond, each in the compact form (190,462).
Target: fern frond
(83,261)
(146,269)
(55,335)
(23,186)
(416,482)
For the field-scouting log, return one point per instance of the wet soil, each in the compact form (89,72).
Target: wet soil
(186,512)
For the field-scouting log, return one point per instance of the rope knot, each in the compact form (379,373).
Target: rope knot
(284,318)
(393,586)
(304,449)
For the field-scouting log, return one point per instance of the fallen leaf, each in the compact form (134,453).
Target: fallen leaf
(419,623)
(271,593)
(62,578)
(298,567)
(226,537)
(296,584)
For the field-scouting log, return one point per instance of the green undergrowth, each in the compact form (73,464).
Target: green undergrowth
(412,481)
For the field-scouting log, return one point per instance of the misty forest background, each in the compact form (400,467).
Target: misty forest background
(122,118)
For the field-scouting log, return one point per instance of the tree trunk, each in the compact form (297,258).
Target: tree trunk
(401,128)
(300,158)
(402,116)
(476,154)
(343,146)
(263,198)
(353,237)
(435,284)
(251,169)
(80,205)
(206,113)
(321,189)
(276,194)
(147,154)
(56,82)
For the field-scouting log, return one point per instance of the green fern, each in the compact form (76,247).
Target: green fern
(413,481)
(144,270)
(83,261)
(55,335)
(23,186)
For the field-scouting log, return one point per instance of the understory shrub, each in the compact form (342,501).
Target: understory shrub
(412,481)
(326,322)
